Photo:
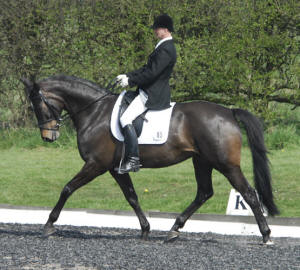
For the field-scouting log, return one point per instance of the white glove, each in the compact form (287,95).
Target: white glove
(122,80)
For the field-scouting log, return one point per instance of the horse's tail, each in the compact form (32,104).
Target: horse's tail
(262,176)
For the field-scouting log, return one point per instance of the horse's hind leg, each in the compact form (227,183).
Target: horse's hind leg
(240,183)
(89,171)
(203,172)
(126,185)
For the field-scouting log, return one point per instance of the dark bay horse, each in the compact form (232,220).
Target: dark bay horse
(206,132)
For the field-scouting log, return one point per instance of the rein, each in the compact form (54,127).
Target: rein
(112,84)
(68,115)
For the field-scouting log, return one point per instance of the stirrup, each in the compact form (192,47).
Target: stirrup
(132,164)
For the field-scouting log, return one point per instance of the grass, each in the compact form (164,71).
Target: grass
(36,177)
(284,128)
(29,138)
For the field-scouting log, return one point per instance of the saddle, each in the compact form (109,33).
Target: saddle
(139,121)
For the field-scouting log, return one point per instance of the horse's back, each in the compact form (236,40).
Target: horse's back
(205,115)
(204,109)
(210,129)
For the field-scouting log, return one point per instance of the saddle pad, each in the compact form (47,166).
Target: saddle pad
(155,130)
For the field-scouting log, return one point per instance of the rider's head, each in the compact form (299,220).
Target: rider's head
(163,26)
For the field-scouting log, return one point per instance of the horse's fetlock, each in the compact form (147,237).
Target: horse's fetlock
(209,195)
(52,218)
(180,221)
(146,227)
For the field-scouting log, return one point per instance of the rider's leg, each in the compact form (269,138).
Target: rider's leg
(135,108)
(131,161)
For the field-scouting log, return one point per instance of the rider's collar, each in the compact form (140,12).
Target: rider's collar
(162,40)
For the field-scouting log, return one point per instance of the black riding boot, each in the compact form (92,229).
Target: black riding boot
(131,162)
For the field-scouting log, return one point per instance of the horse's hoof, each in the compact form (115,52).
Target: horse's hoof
(269,243)
(49,230)
(172,236)
(267,240)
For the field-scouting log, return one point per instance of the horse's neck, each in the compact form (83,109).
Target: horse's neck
(75,98)
(98,111)
(78,99)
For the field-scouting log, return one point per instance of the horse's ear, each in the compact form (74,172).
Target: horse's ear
(30,86)
(26,82)
(35,87)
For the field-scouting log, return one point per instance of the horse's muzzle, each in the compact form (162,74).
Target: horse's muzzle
(49,135)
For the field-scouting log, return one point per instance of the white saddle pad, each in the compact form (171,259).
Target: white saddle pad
(155,130)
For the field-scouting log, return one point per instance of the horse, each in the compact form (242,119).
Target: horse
(208,133)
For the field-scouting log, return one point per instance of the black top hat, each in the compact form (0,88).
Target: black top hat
(163,21)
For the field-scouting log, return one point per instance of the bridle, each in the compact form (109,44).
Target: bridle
(56,114)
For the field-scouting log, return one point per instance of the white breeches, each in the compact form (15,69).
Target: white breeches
(135,108)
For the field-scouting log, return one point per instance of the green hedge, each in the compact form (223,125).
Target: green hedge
(238,53)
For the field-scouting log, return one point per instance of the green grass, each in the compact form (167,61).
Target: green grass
(30,138)
(35,177)
(284,128)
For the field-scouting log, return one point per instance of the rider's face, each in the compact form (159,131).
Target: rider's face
(161,32)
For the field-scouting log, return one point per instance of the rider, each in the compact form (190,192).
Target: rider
(152,81)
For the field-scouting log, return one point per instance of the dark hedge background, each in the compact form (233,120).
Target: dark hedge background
(243,53)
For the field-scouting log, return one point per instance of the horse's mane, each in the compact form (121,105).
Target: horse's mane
(84,82)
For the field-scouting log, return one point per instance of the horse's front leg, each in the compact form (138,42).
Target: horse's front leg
(126,185)
(89,171)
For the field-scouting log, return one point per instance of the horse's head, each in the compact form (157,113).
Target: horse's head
(47,110)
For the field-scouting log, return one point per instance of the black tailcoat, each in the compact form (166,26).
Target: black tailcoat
(154,77)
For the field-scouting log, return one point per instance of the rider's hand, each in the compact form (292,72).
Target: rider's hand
(122,80)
